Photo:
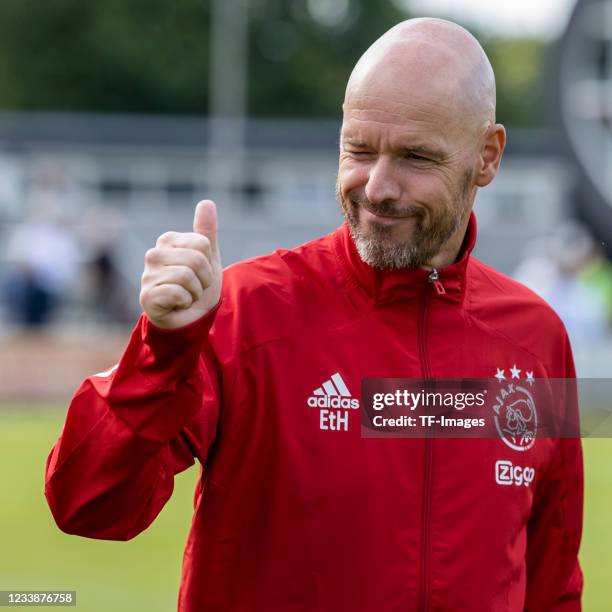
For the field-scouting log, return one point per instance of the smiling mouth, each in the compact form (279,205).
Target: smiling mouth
(382,215)
(392,216)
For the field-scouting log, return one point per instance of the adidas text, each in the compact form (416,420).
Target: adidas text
(332,402)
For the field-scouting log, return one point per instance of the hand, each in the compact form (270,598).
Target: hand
(182,277)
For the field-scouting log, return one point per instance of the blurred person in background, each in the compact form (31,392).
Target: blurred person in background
(42,251)
(596,273)
(567,272)
(239,369)
(105,292)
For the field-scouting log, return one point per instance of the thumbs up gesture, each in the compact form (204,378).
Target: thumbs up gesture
(181,281)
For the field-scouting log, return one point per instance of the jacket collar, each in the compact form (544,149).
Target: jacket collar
(388,286)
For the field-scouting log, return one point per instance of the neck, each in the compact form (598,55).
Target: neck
(450,251)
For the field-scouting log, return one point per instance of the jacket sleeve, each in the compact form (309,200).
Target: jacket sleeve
(130,430)
(554,577)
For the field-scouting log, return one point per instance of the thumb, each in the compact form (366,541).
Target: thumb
(205,222)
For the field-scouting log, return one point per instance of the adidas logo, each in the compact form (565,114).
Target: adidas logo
(333,393)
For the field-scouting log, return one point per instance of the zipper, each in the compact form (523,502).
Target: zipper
(434,279)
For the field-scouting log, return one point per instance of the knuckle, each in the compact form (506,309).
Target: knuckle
(143,299)
(166,238)
(203,243)
(152,256)
(149,274)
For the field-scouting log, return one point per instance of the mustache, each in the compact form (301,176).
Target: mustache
(388,209)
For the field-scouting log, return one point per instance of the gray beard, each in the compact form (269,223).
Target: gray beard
(380,251)
(382,255)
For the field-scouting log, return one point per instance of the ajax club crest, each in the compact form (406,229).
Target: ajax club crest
(515,413)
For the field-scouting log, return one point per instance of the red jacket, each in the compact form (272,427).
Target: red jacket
(294,512)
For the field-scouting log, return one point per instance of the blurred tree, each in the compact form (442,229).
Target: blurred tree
(103,55)
(521,67)
(151,56)
(304,50)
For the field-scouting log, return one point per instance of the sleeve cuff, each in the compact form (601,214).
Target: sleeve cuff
(162,338)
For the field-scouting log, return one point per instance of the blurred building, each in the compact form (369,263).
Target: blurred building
(130,178)
(153,169)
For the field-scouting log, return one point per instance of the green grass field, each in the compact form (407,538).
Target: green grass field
(144,574)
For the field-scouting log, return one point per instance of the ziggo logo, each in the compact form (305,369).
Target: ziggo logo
(508,474)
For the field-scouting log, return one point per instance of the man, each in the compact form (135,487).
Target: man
(295,510)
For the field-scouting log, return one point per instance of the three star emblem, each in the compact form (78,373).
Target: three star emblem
(514,373)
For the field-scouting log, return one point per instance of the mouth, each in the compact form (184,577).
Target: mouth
(387,216)
(382,216)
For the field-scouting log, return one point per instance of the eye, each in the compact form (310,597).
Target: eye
(417,157)
(359,152)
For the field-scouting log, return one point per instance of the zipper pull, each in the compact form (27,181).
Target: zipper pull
(433,278)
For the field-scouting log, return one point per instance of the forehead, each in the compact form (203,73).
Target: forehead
(416,85)
(373,117)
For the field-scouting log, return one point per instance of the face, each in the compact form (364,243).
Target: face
(406,178)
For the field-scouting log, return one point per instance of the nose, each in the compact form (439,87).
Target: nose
(382,182)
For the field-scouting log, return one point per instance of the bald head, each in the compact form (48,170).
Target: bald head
(429,59)
(418,139)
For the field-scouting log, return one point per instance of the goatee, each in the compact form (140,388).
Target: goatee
(378,248)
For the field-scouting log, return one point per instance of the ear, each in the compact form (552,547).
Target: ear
(494,143)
